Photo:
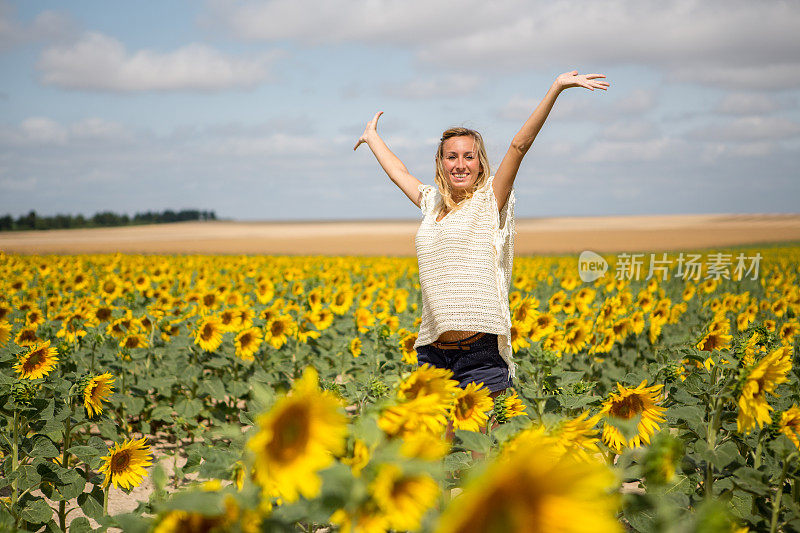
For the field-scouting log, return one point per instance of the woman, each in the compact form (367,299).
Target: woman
(465,244)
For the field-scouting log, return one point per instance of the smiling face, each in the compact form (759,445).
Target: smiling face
(460,163)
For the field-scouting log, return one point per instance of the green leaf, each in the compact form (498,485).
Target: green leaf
(80,525)
(36,511)
(471,440)
(162,412)
(44,447)
(72,483)
(188,409)
(84,453)
(27,476)
(751,480)
(91,503)
(641,521)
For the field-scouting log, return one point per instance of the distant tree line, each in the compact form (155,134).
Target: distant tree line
(102,219)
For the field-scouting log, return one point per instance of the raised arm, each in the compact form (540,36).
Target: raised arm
(395,168)
(507,171)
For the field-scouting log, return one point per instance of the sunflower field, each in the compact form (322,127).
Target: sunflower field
(284,394)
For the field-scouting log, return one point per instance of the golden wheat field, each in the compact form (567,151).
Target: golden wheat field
(269,390)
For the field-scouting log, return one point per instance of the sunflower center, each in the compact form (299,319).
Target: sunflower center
(120,461)
(277,329)
(246,339)
(465,407)
(291,434)
(208,332)
(35,359)
(627,408)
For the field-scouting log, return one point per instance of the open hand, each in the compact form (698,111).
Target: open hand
(573,79)
(372,128)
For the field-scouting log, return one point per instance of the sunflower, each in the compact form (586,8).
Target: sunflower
(425,414)
(425,446)
(297,438)
(403,498)
(355,347)
(35,317)
(364,319)
(342,300)
(471,407)
(278,330)
(543,324)
(536,487)
(508,406)
(133,340)
(227,319)
(209,333)
(38,362)
(764,378)
(72,328)
(305,329)
(788,331)
(5,332)
(407,342)
(428,380)
(579,436)
(716,339)
(641,401)
(124,465)
(400,300)
(359,459)
(27,336)
(518,334)
(97,390)
(576,335)
(265,291)
(247,343)
(556,302)
(790,424)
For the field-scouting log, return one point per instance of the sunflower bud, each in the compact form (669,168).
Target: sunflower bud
(24,392)
(500,411)
(377,388)
(672,372)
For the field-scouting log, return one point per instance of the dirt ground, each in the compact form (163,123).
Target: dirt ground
(396,238)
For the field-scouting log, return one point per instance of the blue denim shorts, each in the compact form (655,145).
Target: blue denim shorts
(480,363)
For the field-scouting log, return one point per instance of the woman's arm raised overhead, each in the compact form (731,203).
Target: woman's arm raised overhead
(395,168)
(507,171)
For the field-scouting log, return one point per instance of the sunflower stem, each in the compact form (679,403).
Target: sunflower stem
(776,504)
(62,505)
(105,499)
(713,427)
(15,458)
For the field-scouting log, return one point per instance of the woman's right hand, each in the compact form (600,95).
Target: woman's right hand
(372,128)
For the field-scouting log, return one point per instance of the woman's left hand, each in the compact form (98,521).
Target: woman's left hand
(573,79)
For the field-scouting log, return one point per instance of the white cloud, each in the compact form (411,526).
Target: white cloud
(630,130)
(444,85)
(711,42)
(752,128)
(622,151)
(100,62)
(47,26)
(42,130)
(634,103)
(749,104)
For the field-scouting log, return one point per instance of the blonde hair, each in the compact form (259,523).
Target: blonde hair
(441,180)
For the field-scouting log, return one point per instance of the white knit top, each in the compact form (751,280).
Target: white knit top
(465,263)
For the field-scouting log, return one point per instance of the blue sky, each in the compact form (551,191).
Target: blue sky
(251,109)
